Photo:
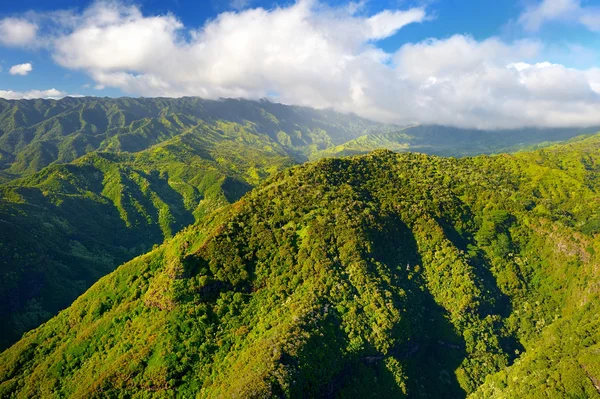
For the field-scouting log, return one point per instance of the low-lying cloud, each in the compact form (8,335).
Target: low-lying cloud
(311,54)
(31,94)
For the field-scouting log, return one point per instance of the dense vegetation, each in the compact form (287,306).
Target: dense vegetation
(92,182)
(37,133)
(378,275)
(68,225)
(142,170)
(451,141)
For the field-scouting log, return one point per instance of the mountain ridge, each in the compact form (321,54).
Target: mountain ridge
(139,170)
(343,278)
(36,133)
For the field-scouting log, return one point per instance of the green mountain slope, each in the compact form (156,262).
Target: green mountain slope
(152,167)
(380,275)
(37,133)
(65,227)
(395,141)
(450,141)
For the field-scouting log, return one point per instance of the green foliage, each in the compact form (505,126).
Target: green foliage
(68,225)
(450,141)
(38,133)
(385,275)
(138,170)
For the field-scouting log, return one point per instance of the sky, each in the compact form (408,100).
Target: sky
(468,63)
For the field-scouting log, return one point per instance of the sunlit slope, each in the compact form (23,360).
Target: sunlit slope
(37,133)
(372,276)
(68,225)
(451,141)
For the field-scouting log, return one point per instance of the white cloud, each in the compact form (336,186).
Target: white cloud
(17,32)
(21,69)
(591,18)
(19,95)
(484,84)
(311,54)
(560,10)
(387,23)
(303,48)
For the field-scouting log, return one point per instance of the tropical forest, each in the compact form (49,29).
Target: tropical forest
(326,199)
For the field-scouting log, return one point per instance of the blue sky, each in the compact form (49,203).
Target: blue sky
(546,39)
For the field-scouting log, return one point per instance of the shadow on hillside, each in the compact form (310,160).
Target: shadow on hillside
(170,196)
(61,248)
(427,347)
(436,350)
(234,189)
(495,301)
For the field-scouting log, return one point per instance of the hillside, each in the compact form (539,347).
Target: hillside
(378,275)
(37,133)
(103,180)
(92,182)
(451,141)
(68,225)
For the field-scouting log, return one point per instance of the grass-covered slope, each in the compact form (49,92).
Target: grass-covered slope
(375,276)
(68,225)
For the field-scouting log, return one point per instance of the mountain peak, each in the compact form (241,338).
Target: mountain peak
(376,275)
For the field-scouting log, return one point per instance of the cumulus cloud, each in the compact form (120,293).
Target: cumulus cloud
(20,95)
(21,69)
(481,87)
(562,10)
(303,50)
(16,32)
(310,54)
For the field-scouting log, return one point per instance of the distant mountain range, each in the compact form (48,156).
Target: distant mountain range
(38,133)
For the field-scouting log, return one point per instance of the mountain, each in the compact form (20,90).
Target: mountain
(90,183)
(374,276)
(137,172)
(68,225)
(451,141)
(37,133)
